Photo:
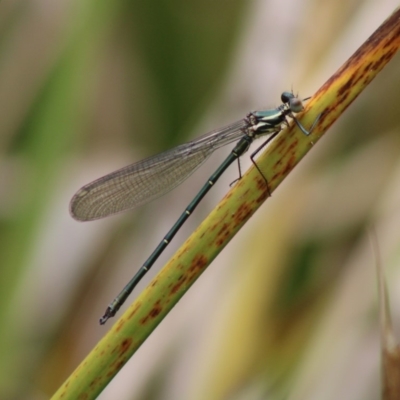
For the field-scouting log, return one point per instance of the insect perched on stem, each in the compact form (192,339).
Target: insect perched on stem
(152,177)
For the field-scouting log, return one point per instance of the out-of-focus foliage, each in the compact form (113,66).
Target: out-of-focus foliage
(86,87)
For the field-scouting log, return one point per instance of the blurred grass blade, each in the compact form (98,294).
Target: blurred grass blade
(167,288)
(390,348)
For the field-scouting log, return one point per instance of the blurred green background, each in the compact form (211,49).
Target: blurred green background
(289,309)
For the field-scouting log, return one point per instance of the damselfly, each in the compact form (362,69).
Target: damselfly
(152,177)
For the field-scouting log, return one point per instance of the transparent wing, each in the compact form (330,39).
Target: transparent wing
(150,178)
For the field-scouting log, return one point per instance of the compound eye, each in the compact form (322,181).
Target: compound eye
(296,105)
(286,97)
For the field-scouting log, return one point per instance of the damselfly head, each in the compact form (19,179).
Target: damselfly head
(296,105)
(293,103)
(287,96)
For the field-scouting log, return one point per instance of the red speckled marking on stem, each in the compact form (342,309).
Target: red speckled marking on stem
(125,345)
(155,310)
